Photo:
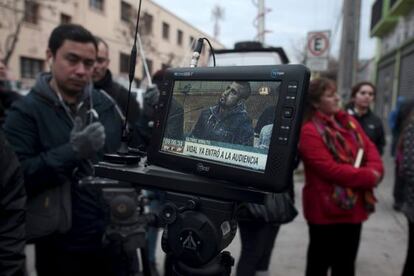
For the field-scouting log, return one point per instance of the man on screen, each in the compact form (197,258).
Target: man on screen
(228,120)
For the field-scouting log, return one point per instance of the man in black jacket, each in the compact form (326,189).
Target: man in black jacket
(12,212)
(102,78)
(57,131)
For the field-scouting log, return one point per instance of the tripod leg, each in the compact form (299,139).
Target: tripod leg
(144,262)
(137,258)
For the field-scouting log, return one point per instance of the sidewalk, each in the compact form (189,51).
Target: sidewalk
(383,242)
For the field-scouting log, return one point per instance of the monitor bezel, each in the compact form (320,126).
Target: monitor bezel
(280,156)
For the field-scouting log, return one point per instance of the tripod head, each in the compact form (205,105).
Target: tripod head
(197,229)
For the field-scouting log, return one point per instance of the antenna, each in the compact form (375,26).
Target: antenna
(132,63)
(122,156)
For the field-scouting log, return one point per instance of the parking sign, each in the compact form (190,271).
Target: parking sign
(317,54)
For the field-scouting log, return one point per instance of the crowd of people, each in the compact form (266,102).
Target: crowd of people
(51,138)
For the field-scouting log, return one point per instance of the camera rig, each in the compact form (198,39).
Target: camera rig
(198,226)
(207,179)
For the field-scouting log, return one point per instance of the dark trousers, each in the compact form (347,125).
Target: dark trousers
(52,261)
(334,247)
(398,190)
(409,261)
(257,240)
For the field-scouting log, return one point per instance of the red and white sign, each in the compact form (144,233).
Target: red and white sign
(318,44)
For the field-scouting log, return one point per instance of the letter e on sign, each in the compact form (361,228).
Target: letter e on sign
(318,44)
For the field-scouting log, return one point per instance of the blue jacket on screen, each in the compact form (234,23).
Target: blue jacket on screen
(233,126)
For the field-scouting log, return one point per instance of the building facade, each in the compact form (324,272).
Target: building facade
(166,39)
(392,22)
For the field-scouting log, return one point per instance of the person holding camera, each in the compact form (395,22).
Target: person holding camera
(342,167)
(57,131)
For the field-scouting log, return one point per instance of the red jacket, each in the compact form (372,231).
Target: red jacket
(322,172)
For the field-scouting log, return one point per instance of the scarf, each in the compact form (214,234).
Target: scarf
(340,148)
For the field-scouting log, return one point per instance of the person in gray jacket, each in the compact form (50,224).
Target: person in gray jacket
(57,131)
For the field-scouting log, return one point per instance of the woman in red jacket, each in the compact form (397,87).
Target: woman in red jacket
(342,167)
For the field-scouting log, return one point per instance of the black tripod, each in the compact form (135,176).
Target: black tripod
(196,231)
(127,229)
(132,246)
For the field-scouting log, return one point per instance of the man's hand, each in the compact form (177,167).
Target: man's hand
(87,141)
(151,97)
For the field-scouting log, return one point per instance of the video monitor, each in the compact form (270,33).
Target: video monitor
(236,124)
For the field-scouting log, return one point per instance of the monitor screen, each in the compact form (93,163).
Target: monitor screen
(237,124)
(228,122)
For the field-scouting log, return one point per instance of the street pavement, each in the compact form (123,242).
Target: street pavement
(382,249)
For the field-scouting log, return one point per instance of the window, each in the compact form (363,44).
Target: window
(149,64)
(179,37)
(165,66)
(65,19)
(31,12)
(192,41)
(146,27)
(165,30)
(97,4)
(124,63)
(126,11)
(30,67)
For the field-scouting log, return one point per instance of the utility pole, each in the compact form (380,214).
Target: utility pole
(348,59)
(261,22)
(217,14)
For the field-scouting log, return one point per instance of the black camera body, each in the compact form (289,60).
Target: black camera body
(125,209)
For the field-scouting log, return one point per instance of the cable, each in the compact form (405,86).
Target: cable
(211,49)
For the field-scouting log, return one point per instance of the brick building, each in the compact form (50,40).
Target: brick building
(166,38)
